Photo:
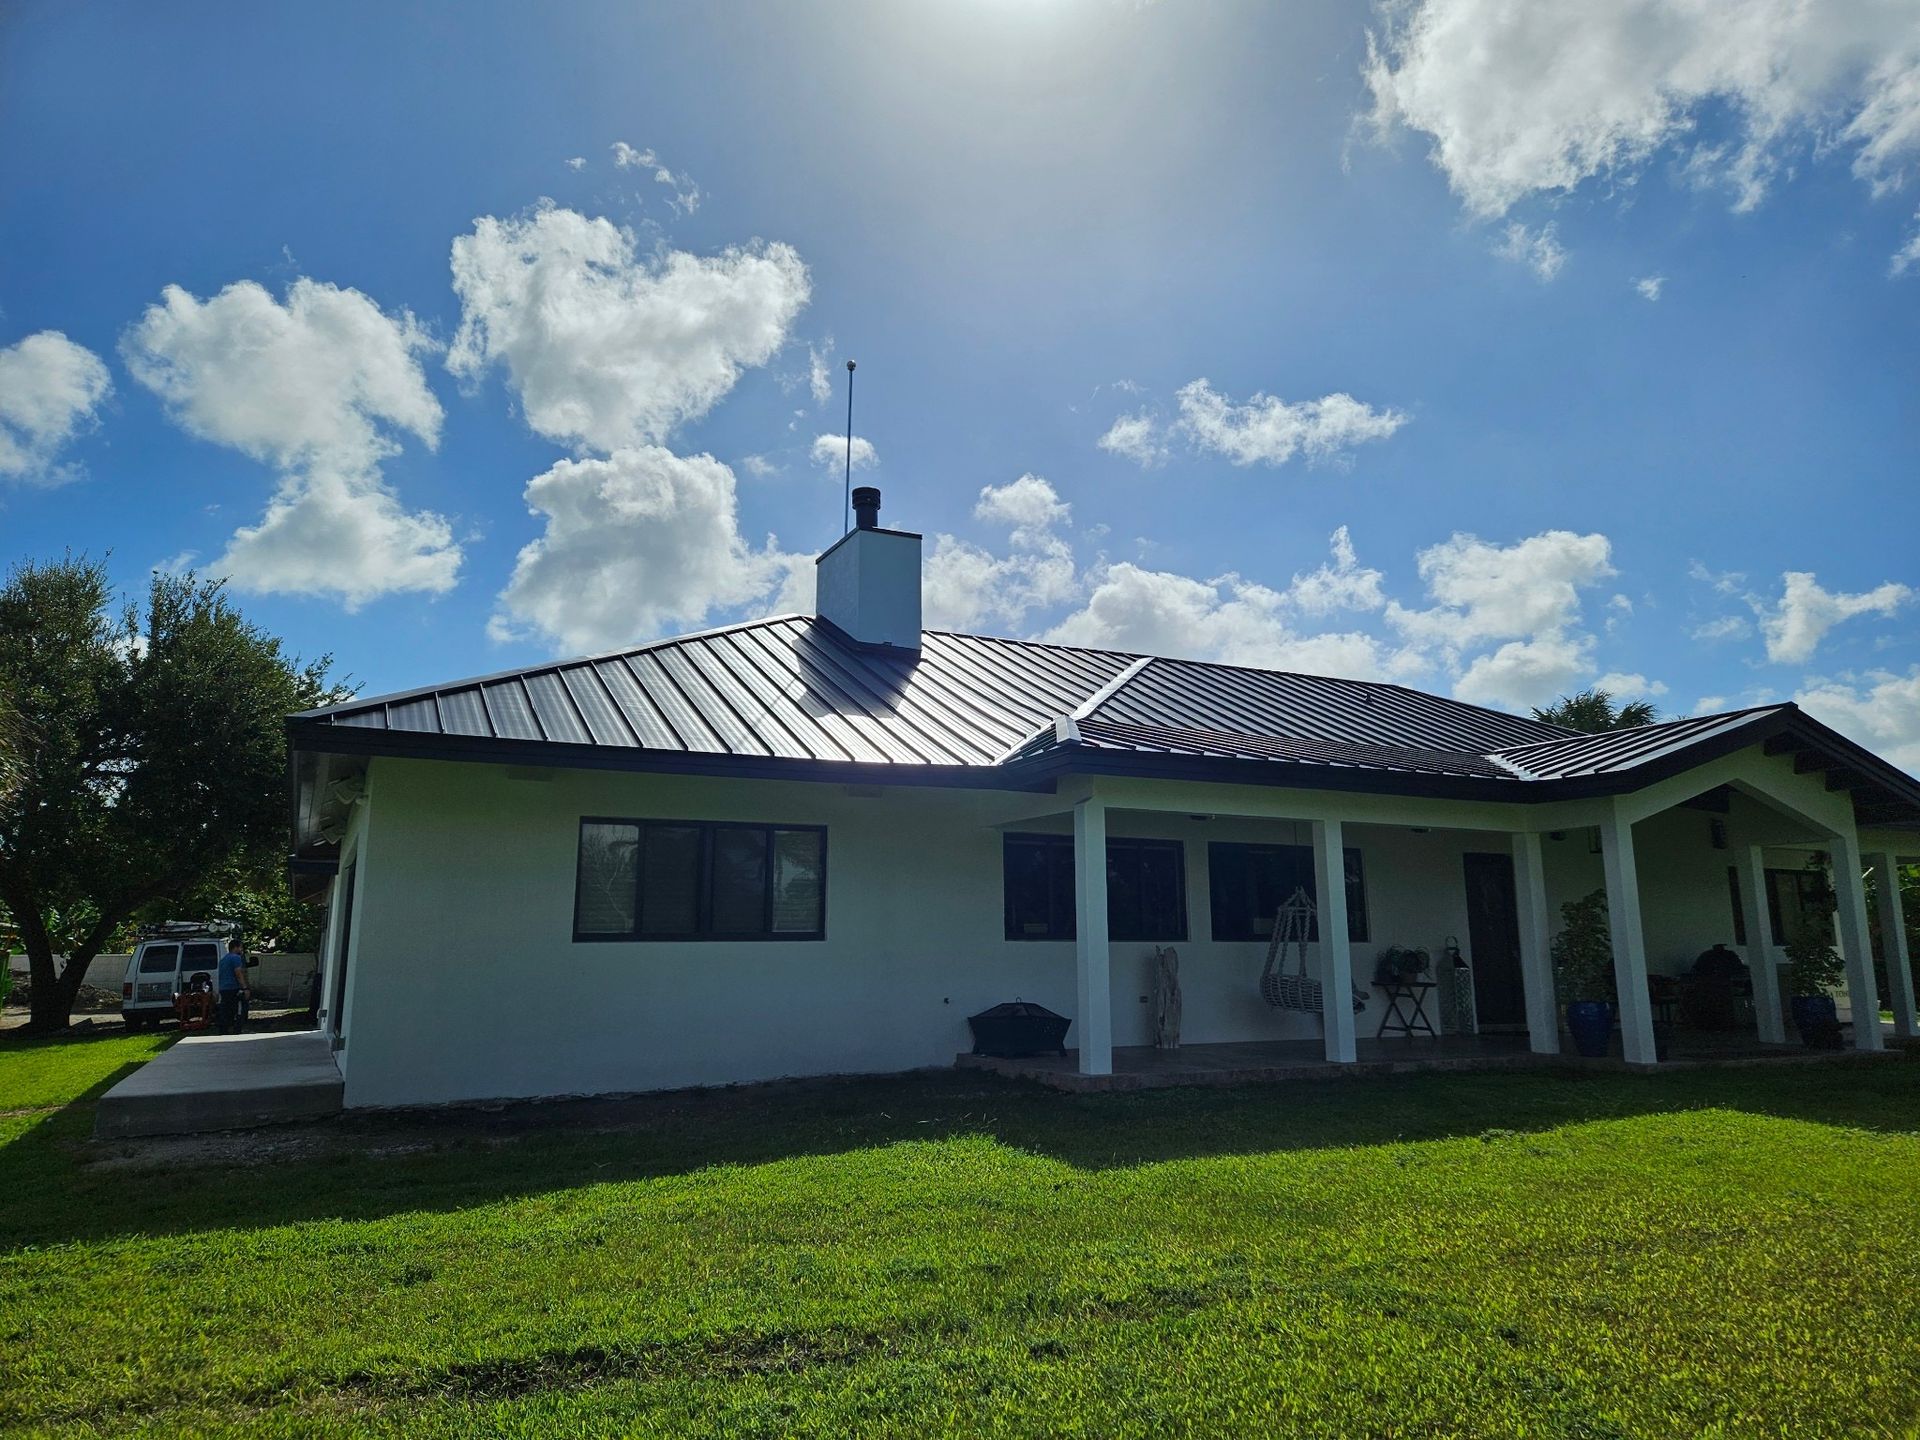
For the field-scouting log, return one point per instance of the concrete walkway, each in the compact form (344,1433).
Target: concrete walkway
(224,1082)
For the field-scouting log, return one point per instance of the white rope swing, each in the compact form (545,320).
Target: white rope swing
(1288,986)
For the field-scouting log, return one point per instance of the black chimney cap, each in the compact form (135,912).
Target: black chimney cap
(866,507)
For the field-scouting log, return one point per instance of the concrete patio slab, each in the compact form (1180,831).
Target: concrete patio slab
(225,1082)
(1140,1067)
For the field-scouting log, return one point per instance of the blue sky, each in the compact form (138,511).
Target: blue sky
(1494,354)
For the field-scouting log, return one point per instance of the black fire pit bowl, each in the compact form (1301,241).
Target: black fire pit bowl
(1018,1028)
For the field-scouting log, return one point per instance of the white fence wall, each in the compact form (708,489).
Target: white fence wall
(277,979)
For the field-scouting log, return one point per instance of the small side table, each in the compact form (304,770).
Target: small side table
(1407,1009)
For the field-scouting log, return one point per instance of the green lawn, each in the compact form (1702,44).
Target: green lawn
(1725,1253)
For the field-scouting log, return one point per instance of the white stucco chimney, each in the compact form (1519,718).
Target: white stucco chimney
(869,583)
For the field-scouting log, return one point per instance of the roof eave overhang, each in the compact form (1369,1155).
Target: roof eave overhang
(1043,772)
(323,738)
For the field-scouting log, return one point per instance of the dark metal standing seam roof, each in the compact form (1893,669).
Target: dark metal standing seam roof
(1623,749)
(789,688)
(980,710)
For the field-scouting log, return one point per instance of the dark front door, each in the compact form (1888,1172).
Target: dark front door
(1493,941)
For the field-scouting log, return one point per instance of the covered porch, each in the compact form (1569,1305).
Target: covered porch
(1685,863)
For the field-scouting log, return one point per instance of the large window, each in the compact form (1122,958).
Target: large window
(1146,888)
(1248,884)
(696,880)
(1797,900)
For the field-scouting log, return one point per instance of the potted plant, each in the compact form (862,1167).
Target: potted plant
(1583,970)
(1814,967)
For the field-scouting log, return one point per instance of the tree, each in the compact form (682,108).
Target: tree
(1592,711)
(158,764)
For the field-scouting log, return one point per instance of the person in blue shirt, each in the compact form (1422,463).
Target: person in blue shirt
(233,986)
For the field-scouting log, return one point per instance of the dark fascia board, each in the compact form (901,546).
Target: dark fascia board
(320,737)
(1802,726)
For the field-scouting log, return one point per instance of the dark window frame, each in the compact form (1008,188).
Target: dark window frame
(703,884)
(1242,929)
(1058,849)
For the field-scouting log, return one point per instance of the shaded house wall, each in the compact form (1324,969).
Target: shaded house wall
(465,981)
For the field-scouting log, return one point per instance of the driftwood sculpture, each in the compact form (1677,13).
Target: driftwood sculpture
(1166,999)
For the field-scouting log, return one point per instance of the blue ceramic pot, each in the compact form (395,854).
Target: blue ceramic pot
(1812,1013)
(1590,1022)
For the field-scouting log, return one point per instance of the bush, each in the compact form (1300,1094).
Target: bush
(1813,966)
(1583,950)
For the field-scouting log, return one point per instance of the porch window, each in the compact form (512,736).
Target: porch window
(1146,888)
(699,880)
(1247,885)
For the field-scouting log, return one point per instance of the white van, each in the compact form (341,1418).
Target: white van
(170,959)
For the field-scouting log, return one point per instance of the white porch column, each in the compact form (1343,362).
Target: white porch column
(1095,1019)
(1536,954)
(1766,975)
(1336,952)
(1855,942)
(1629,937)
(1893,947)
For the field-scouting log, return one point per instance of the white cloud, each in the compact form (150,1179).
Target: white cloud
(1539,250)
(1525,595)
(1880,710)
(966,584)
(1630,685)
(1229,619)
(1342,584)
(636,543)
(1527,672)
(578,162)
(1498,592)
(1650,286)
(830,453)
(317,387)
(1265,430)
(50,389)
(1908,255)
(1029,503)
(1271,431)
(819,376)
(1726,627)
(1795,625)
(605,348)
(1136,438)
(759,466)
(1522,99)
(335,534)
(686,195)
(1726,582)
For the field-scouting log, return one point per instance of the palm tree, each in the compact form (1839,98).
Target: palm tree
(1592,711)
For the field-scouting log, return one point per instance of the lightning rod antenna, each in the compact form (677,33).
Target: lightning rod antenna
(846,518)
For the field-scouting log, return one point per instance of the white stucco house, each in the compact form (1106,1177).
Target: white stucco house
(816,844)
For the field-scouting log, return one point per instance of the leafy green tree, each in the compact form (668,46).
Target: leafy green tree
(157,770)
(1592,711)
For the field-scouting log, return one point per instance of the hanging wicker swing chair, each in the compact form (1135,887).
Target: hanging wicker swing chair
(1284,982)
